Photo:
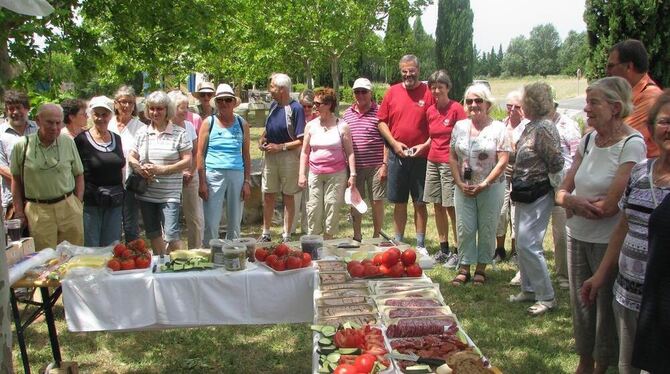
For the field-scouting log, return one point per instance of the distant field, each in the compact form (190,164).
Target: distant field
(566,87)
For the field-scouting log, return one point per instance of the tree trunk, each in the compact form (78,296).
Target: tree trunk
(308,74)
(335,72)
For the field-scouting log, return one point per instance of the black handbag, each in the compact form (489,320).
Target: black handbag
(525,192)
(135,182)
(109,196)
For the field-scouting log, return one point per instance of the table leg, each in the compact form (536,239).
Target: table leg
(19,331)
(51,325)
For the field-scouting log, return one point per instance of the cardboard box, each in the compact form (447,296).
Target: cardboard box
(17,250)
(66,367)
(27,245)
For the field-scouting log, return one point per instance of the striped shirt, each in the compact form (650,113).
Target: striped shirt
(164,148)
(368,142)
(637,203)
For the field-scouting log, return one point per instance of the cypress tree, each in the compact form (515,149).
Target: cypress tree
(453,44)
(397,38)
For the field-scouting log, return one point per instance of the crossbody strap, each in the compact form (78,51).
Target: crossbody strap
(23,166)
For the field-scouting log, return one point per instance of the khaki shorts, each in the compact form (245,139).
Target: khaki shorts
(369,182)
(280,172)
(439,188)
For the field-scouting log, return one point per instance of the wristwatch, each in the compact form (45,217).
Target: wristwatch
(284,147)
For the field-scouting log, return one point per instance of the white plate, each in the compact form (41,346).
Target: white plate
(133,271)
(285,272)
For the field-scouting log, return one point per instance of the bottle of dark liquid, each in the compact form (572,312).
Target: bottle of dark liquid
(14,229)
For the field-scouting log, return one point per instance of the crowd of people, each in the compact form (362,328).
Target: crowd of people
(83,172)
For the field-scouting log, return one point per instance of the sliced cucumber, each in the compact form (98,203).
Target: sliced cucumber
(354,325)
(418,369)
(333,357)
(349,351)
(346,325)
(324,369)
(327,349)
(323,342)
(328,331)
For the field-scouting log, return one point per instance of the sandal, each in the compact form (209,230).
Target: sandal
(541,307)
(461,278)
(522,297)
(479,278)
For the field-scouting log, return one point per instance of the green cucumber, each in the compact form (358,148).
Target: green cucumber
(418,369)
(328,331)
(327,349)
(333,357)
(324,369)
(346,325)
(323,342)
(332,365)
(317,328)
(349,351)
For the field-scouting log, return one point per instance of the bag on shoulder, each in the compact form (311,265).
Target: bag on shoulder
(526,192)
(137,184)
(109,196)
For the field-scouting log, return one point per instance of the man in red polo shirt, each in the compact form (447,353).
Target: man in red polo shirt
(403,124)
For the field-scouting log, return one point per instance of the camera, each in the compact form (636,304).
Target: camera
(409,152)
(467,173)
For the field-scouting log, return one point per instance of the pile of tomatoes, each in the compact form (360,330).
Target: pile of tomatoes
(370,341)
(135,255)
(392,263)
(282,257)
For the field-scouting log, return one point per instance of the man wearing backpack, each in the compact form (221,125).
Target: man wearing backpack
(281,141)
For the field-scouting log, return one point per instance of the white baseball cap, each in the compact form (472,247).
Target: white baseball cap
(362,83)
(101,102)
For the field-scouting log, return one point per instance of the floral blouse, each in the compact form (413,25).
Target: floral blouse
(538,152)
(479,152)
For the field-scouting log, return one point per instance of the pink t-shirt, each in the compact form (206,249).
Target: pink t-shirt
(195,119)
(441,123)
(404,111)
(326,154)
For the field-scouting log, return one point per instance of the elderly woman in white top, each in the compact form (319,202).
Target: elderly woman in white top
(161,154)
(191,202)
(479,152)
(590,194)
(126,124)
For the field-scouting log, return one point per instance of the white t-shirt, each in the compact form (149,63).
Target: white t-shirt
(594,178)
(479,152)
(192,135)
(127,137)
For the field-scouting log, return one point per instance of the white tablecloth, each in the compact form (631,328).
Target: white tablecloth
(142,301)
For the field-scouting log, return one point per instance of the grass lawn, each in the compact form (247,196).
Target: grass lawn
(565,86)
(513,341)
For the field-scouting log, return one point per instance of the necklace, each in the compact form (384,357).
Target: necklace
(614,138)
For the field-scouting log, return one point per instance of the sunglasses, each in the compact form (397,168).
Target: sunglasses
(318,104)
(307,106)
(478,100)
(510,106)
(360,92)
(225,99)
(206,94)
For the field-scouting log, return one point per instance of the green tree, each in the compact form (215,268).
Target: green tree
(453,44)
(494,68)
(573,53)
(609,22)
(542,48)
(424,48)
(515,62)
(398,37)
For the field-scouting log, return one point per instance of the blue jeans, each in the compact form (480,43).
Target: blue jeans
(131,215)
(102,226)
(223,184)
(161,218)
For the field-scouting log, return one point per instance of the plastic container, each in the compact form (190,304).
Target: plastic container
(234,257)
(310,244)
(13,229)
(250,244)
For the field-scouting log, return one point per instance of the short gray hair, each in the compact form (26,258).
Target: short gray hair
(49,106)
(537,100)
(126,90)
(406,59)
(615,90)
(178,97)
(307,96)
(159,98)
(515,95)
(439,76)
(481,91)
(282,80)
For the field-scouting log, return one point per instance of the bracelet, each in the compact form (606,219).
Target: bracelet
(352,175)
(247,181)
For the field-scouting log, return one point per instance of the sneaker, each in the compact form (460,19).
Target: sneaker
(521,297)
(285,238)
(452,261)
(541,307)
(422,251)
(516,281)
(440,257)
(265,238)
(563,283)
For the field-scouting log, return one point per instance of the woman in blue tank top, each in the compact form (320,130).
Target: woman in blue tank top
(224,165)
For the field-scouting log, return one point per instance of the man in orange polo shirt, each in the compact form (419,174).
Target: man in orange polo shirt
(629,60)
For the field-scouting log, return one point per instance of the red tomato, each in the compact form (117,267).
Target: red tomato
(280,265)
(261,254)
(114,264)
(142,262)
(390,257)
(293,263)
(345,369)
(127,264)
(118,250)
(352,263)
(408,257)
(271,259)
(282,250)
(384,270)
(414,270)
(365,362)
(371,271)
(396,250)
(396,270)
(357,271)
(367,261)
(377,260)
(306,259)
(127,253)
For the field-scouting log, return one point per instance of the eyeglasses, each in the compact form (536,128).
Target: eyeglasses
(663,122)
(360,92)
(478,100)
(511,107)
(157,108)
(125,102)
(225,99)
(318,104)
